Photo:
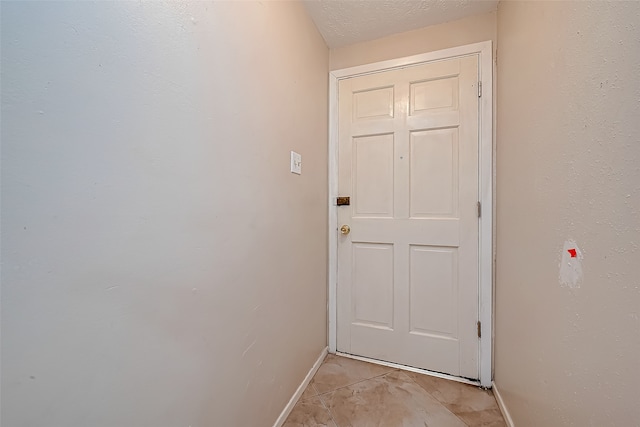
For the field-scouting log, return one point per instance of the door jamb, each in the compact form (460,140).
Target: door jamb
(485,186)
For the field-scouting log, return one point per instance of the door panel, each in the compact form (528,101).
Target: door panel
(373,175)
(433,282)
(373,284)
(433,96)
(434,173)
(407,287)
(373,103)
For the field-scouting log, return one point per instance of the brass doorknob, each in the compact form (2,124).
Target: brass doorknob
(345,229)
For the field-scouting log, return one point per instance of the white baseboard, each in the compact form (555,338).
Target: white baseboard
(503,408)
(301,388)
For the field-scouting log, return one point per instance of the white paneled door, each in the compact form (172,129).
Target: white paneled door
(407,288)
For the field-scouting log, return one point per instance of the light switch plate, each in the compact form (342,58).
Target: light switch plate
(296,163)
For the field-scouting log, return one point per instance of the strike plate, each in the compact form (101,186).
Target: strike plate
(343,201)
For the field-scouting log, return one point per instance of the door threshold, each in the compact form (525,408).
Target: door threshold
(411,369)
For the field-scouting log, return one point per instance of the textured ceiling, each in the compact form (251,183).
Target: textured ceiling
(342,22)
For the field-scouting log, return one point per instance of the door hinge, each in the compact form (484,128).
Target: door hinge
(479,209)
(479,89)
(479,329)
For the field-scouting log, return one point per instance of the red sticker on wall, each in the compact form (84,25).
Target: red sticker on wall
(572,252)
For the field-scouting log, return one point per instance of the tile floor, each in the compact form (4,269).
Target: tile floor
(350,393)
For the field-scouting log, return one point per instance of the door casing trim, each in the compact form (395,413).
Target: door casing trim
(484,51)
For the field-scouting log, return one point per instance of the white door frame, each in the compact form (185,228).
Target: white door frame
(485,184)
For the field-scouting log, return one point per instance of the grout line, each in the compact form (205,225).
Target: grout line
(349,385)
(437,400)
(358,382)
(315,390)
(469,412)
(328,410)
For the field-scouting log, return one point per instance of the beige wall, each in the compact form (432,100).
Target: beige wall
(160,265)
(451,34)
(568,168)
